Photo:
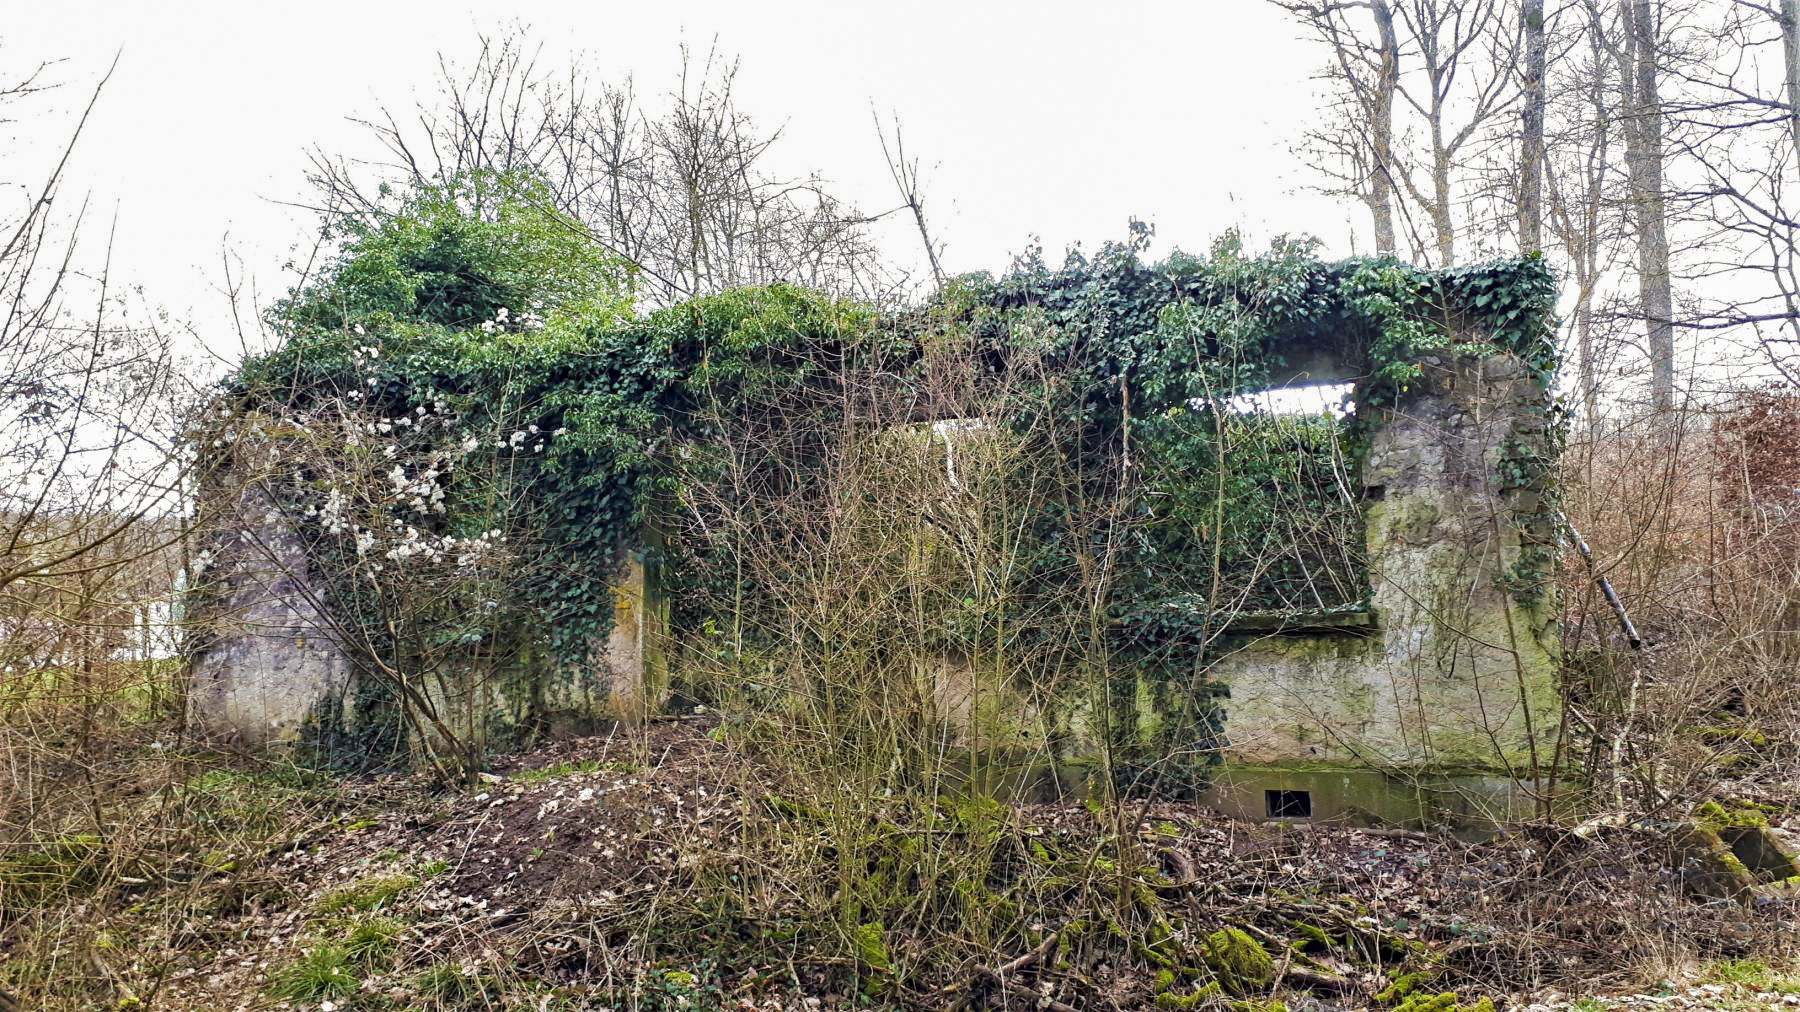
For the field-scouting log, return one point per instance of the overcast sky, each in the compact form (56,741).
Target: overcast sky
(1055,120)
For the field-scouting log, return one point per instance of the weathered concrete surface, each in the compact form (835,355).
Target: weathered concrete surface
(270,671)
(1434,700)
(1368,797)
(1437,700)
(633,662)
(1460,671)
(266,660)
(1744,863)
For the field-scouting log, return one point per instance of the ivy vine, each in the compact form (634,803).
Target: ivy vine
(475,302)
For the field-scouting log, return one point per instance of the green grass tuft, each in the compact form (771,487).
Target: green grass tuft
(372,942)
(449,985)
(371,892)
(319,973)
(563,769)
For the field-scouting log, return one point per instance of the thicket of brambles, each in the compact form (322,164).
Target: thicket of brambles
(585,314)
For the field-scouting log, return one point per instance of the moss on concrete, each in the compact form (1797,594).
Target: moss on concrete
(1714,817)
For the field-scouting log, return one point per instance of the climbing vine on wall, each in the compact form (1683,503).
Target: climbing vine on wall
(476,357)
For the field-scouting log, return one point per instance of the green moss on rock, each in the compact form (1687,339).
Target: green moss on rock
(1713,817)
(1313,938)
(1239,963)
(1440,1001)
(1202,997)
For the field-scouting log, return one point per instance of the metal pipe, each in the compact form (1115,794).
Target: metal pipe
(1606,588)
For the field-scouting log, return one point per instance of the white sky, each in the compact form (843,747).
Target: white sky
(1048,119)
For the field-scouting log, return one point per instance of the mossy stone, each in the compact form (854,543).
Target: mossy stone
(1713,816)
(1313,938)
(1239,962)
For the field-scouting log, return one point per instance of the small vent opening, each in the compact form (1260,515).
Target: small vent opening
(1289,804)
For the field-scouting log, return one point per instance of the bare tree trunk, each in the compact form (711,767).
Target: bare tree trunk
(1790,46)
(1531,143)
(1644,161)
(1467,77)
(1388,120)
(906,180)
(1443,222)
(1381,130)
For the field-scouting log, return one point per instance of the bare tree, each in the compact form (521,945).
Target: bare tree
(1360,135)
(1790,50)
(1447,66)
(89,494)
(1741,138)
(906,180)
(1586,212)
(1639,71)
(1531,125)
(84,415)
(688,192)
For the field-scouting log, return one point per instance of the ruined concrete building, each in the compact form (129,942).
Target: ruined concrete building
(1434,696)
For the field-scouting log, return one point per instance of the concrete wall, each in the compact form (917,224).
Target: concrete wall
(1439,696)
(269,671)
(1435,701)
(265,659)
(1458,670)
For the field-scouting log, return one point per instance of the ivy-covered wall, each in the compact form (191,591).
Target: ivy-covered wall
(1093,545)
(1457,669)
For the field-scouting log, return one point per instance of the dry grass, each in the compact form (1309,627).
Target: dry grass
(688,862)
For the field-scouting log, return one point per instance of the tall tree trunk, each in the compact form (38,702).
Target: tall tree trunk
(1790,45)
(1443,218)
(1531,143)
(1381,131)
(1644,159)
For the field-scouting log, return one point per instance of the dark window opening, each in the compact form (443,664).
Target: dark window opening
(1289,804)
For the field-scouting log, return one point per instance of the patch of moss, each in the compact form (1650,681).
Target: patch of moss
(871,949)
(1731,736)
(1239,962)
(65,866)
(1441,1001)
(1205,996)
(1404,985)
(1210,996)
(1735,865)
(1713,817)
(1313,938)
